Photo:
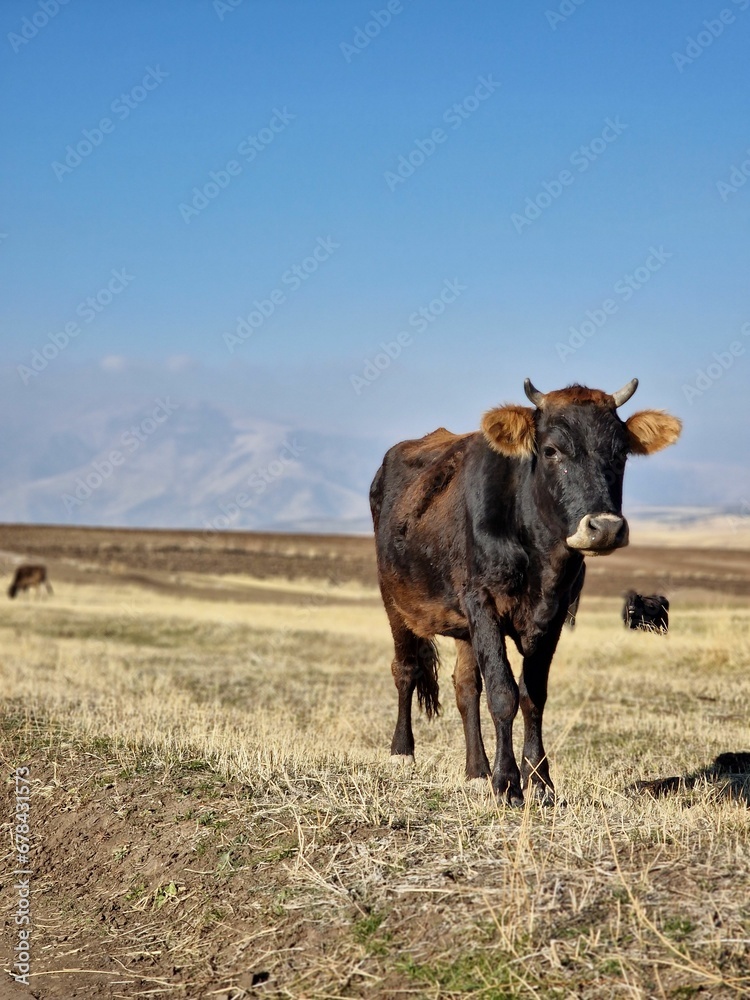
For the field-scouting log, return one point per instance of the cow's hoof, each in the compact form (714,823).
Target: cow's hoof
(508,789)
(546,796)
(402,759)
(543,795)
(512,797)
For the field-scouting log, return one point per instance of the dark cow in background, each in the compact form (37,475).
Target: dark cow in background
(481,537)
(27,577)
(650,613)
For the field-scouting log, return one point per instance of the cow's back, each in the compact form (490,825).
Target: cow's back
(417,502)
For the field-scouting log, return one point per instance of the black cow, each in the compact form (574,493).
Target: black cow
(27,577)
(482,537)
(649,612)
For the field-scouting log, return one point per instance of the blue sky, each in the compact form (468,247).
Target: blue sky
(606,125)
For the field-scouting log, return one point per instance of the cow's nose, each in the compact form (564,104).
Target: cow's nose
(608,531)
(599,533)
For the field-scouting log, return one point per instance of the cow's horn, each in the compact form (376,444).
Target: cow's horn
(536,397)
(624,394)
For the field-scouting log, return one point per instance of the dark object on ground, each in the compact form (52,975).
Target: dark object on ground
(729,771)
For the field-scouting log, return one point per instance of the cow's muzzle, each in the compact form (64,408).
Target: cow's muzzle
(599,534)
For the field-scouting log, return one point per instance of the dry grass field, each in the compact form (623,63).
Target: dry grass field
(213,811)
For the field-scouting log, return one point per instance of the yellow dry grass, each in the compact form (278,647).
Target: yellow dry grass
(357,880)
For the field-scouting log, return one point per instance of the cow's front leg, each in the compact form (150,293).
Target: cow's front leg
(534,763)
(488,642)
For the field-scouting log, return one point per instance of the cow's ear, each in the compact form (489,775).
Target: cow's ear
(652,430)
(510,430)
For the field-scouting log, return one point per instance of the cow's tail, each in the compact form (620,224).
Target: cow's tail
(12,590)
(428,687)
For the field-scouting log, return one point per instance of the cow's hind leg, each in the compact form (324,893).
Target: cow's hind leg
(414,667)
(467,680)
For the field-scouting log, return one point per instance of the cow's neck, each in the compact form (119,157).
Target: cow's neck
(510,516)
(552,566)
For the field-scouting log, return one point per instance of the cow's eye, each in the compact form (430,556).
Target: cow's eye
(550,451)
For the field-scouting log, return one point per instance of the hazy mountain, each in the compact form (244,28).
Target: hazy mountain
(185,465)
(111,446)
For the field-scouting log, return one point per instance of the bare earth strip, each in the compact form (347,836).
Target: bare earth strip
(213,810)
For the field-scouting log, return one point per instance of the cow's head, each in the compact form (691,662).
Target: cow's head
(577,446)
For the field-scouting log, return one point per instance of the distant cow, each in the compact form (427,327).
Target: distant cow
(29,576)
(481,537)
(647,612)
